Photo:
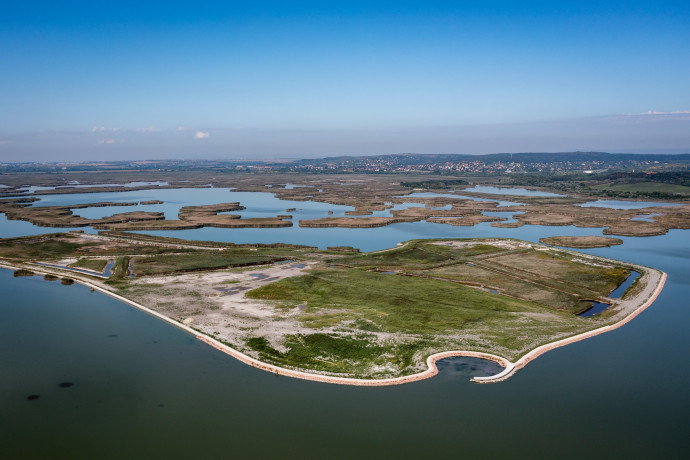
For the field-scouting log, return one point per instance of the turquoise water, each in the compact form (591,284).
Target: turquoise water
(143,388)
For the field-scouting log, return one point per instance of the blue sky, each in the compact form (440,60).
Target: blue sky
(97,80)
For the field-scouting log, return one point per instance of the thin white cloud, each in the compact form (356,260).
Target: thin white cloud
(6,142)
(149,129)
(675,112)
(202,135)
(102,129)
(182,128)
(105,141)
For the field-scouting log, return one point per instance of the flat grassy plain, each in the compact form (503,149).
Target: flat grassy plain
(91,264)
(155,265)
(49,246)
(390,303)
(647,188)
(484,295)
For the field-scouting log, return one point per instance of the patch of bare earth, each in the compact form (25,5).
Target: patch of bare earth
(215,302)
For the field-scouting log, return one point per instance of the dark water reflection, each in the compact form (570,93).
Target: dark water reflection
(595,309)
(467,368)
(620,290)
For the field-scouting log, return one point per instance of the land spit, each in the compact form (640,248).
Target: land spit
(627,310)
(581,242)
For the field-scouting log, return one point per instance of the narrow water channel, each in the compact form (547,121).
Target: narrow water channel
(598,307)
(620,290)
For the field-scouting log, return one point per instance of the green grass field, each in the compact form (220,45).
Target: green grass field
(391,303)
(435,299)
(647,188)
(91,264)
(170,263)
(42,247)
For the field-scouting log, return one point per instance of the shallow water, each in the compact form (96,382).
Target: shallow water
(76,184)
(464,197)
(620,290)
(267,205)
(597,307)
(645,217)
(621,204)
(144,388)
(517,191)
(505,214)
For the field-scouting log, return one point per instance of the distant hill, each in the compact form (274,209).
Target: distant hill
(526,157)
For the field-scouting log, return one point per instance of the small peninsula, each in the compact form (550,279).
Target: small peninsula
(376,318)
(581,242)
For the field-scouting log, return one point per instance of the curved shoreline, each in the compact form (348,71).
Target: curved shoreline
(534,354)
(509,367)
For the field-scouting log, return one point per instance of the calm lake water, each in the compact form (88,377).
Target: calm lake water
(144,388)
(517,191)
(622,204)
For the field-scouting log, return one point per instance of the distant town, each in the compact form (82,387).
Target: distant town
(444,164)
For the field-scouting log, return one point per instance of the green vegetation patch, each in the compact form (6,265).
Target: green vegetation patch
(200,261)
(120,269)
(557,269)
(390,303)
(581,241)
(40,247)
(435,184)
(338,354)
(97,265)
(649,189)
(418,255)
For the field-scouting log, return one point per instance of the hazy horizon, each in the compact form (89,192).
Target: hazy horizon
(267,79)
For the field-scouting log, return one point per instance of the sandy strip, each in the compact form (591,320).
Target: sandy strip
(509,367)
